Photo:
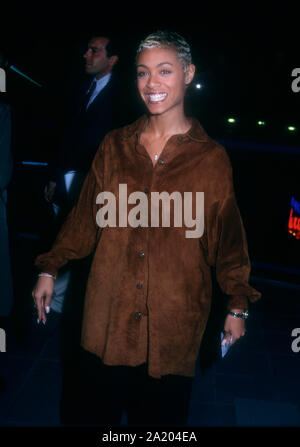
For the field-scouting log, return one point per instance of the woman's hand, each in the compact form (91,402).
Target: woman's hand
(42,294)
(234,328)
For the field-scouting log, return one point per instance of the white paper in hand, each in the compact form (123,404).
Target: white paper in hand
(225,347)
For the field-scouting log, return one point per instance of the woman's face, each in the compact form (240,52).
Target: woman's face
(161,80)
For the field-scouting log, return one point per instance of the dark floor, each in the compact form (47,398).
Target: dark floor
(256,384)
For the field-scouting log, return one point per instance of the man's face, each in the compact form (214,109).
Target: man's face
(96,61)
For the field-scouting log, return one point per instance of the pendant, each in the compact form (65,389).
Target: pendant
(155,157)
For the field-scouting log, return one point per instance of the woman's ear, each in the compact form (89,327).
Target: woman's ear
(189,74)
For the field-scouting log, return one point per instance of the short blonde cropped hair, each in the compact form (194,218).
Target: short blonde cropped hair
(168,39)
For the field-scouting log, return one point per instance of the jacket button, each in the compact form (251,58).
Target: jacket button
(180,138)
(160,162)
(139,285)
(138,315)
(146,190)
(141,254)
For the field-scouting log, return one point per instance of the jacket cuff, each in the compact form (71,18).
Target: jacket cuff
(237,302)
(46,268)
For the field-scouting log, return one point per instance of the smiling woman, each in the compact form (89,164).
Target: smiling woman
(164,71)
(166,79)
(148,296)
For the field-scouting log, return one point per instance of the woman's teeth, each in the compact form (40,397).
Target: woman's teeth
(157,97)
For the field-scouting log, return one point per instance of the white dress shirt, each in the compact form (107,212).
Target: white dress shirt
(100,84)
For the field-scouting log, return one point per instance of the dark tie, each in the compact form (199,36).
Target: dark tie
(88,95)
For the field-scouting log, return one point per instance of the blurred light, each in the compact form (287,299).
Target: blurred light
(294,219)
(291,128)
(34,163)
(198,85)
(231,120)
(12,67)
(261,123)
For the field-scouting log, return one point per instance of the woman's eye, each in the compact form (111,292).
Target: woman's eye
(165,71)
(141,74)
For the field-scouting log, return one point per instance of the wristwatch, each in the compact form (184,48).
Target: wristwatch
(244,315)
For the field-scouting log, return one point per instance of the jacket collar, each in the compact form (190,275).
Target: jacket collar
(196,132)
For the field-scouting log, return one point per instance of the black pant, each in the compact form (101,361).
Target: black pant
(104,391)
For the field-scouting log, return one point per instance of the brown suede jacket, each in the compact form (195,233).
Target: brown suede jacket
(149,291)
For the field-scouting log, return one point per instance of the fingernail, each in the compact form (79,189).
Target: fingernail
(44,322)
(47,309)
(38,321)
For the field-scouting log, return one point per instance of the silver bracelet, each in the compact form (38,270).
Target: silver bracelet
(244,315)
(47,275)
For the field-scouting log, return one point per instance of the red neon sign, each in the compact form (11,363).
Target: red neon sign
(294,221)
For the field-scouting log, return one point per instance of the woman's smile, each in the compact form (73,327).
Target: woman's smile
(156,97)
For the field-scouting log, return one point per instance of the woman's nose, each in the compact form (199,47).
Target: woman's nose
(153,80)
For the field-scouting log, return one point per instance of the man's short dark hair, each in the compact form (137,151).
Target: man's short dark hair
(112,48)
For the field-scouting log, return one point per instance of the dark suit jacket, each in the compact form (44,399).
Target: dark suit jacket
(84,132)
